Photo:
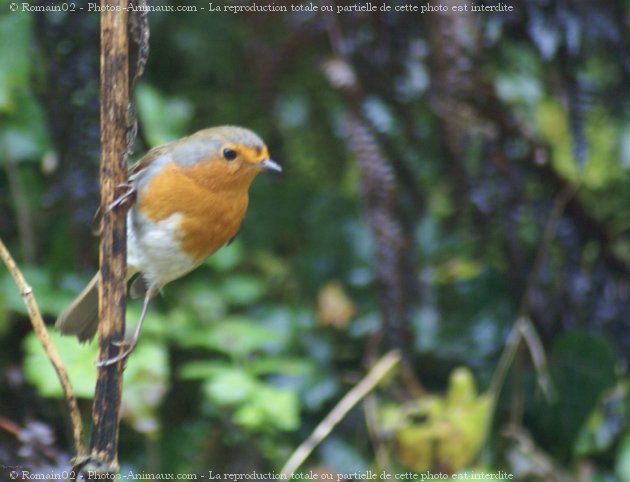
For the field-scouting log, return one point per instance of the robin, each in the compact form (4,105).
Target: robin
(189,199)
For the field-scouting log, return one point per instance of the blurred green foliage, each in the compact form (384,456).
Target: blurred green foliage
(241,359)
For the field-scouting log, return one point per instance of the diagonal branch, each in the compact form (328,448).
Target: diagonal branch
(383,367)
(42,333)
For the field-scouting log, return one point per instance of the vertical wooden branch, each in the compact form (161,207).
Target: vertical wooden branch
(113,252)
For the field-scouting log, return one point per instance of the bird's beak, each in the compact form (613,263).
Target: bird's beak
(269,165)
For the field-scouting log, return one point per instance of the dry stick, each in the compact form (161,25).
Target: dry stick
(42,333)
(113,253)
(365,386)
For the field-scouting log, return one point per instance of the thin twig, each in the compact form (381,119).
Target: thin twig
(551,228)
(42,333)
(512,344)
(523,328)
(365,386)
(535,347)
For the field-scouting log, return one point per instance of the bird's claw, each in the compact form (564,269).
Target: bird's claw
(127,348)
(128,195)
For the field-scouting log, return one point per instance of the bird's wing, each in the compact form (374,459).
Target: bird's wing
(146,160)
(130,192)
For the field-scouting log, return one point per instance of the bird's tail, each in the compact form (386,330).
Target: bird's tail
(81,317)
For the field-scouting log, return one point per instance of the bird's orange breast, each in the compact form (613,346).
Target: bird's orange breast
(209,218)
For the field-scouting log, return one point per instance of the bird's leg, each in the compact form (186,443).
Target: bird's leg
(127,196)
(129,345)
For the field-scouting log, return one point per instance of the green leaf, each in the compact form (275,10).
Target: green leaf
(230,386)
(603,165)
(163,119)
(458,269)
(25,136)
(78,359)
(291,366)
(158,325)
(15,56)
(269,407)
(227,258)
(553,125)
(146,376)
(622,465)
(583,366)
(146,383)
(49,300)
(242,290)
(606,421)
(203,369)
(235,337)
(202,300)
(257,406)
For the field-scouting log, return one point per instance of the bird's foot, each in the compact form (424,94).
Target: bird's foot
(127,347)
(128,195)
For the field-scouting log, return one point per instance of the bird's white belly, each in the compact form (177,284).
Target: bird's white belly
(154,249)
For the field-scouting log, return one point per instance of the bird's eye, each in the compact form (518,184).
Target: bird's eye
(229,154)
